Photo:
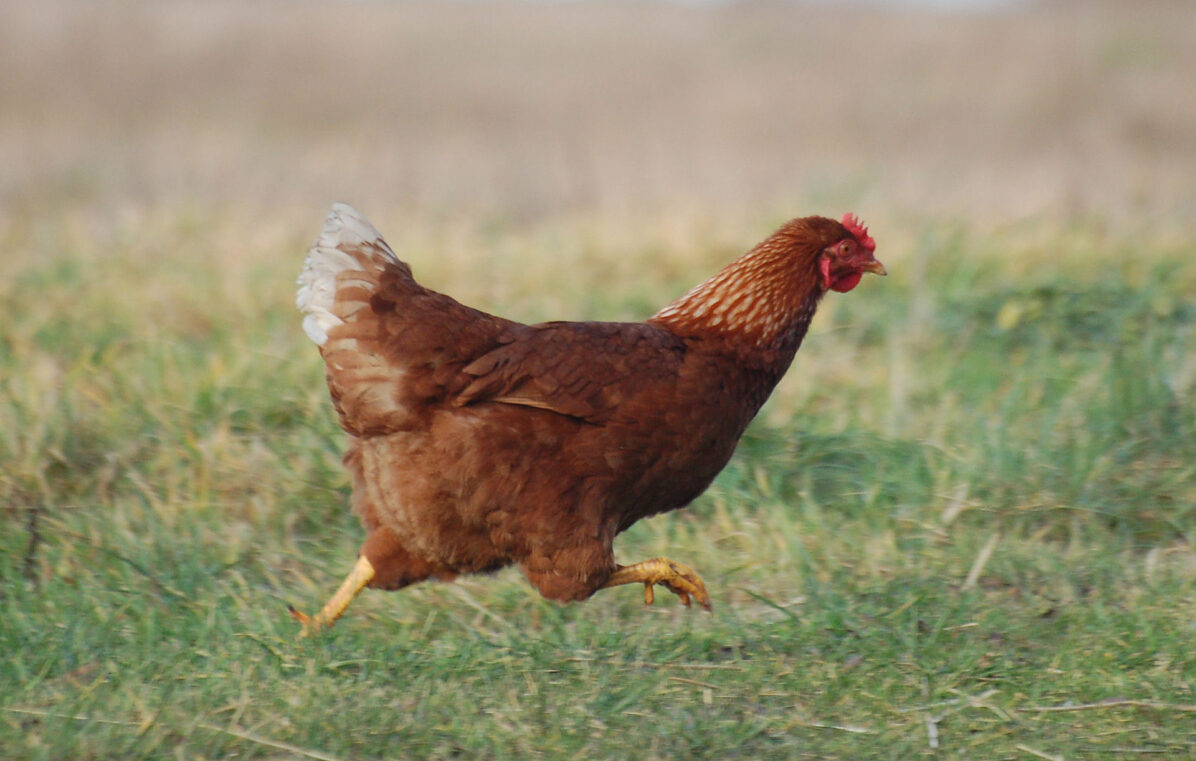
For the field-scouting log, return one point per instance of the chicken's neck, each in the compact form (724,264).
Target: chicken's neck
(759,306)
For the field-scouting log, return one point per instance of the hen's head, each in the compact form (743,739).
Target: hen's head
(844,262)
(766,297)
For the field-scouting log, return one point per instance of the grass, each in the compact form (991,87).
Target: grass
(963,527)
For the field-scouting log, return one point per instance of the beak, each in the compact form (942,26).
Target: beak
(874,267)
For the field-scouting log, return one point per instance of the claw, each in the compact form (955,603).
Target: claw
(675,577)
(304,620)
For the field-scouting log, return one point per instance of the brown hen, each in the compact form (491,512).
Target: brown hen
(476,442)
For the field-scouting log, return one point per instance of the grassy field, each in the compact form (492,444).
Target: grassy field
(964,526)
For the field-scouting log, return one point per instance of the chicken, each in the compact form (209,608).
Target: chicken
(477,442)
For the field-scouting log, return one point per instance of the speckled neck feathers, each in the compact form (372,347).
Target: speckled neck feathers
(765,299)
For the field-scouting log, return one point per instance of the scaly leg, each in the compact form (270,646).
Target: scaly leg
(678,579)
(361,574)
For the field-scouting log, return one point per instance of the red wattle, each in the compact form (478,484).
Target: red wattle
(847,282)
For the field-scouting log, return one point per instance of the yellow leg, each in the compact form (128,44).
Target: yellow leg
(678,579)
(355,582)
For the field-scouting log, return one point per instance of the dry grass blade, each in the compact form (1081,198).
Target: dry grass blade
(932,731)
(1127,703)
(695,682)
(73,717)
(267,742)
(986,552)
(840,728)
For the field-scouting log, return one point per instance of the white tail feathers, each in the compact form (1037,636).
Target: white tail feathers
(347,242)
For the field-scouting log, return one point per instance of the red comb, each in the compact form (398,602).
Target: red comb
(859,230)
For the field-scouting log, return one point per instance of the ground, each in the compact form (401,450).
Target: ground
(962,528)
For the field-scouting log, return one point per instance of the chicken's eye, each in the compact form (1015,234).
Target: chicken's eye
(846,248)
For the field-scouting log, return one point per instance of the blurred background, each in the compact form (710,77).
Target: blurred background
(974,494)
(987,110)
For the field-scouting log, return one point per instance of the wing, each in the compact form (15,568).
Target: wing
(402,352)
(580,369)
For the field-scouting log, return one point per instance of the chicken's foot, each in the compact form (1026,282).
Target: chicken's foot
(361,574)
(677,578)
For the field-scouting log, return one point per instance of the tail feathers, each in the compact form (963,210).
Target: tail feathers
(347,243)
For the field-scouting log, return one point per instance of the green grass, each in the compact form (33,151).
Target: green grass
(963,528)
